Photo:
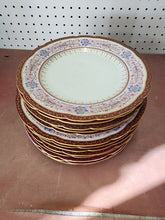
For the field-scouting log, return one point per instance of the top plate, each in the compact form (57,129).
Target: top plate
(84,78)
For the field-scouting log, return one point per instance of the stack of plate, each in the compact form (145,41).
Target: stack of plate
(81,99)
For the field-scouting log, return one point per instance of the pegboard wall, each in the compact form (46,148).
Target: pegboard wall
(137,23)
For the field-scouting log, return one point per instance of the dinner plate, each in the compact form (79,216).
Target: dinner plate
(84,78)
(80,155)
(78,161)
(77,136)
(58,125)
(78,140)
(94,146)
(78,150)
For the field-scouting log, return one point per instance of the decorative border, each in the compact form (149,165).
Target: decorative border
(81,111)
(79,150)
(83,143)
(79,161)
(80,154)
(54,123)
(75,137)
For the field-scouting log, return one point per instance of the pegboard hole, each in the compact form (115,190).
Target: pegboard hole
(39,27)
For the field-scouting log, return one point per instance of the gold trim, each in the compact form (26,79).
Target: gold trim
(113,115)
(84,151)
(78,143)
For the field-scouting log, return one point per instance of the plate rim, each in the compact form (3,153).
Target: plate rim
(98,116)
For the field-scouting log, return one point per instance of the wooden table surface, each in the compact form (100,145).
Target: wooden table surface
(131,183)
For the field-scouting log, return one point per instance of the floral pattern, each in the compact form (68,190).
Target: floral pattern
(116,129)
(44,53)
(134,88)
(32,85)
(126,54)
(76,136)
(84,42)
(80,110)
(48,129)
(136,83)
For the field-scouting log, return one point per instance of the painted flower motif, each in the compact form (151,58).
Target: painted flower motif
(134,88)
(116,129)
(126,54)
(32,85)
(80,110)
(47,129)
(85,42)
(44,53)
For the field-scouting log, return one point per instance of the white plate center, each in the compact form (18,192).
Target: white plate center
(83,76)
